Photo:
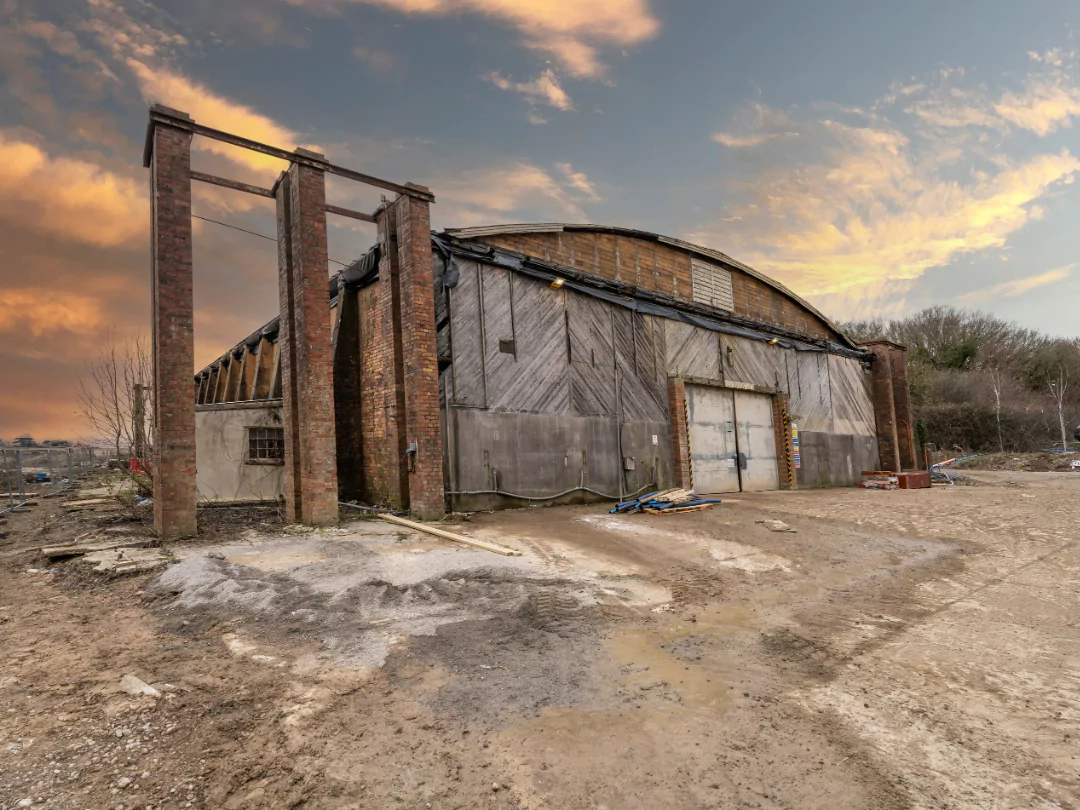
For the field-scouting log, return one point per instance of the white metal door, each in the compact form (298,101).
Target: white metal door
(713,448)
(756,442)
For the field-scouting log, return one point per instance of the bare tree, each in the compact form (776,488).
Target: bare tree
(995,383)
(113,394)
(1058,388)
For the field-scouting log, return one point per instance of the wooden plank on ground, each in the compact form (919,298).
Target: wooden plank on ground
(78,549)
(457,538)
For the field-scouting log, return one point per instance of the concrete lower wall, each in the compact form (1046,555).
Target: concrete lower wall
(834,460)
(544,454)
(223,472)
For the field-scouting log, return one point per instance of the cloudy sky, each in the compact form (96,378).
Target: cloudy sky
(875,157)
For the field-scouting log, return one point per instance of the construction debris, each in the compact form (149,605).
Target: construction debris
(879,479)
(78,549)
(136,687)
(126,560)
(775,525)
(457,538)
(666,501)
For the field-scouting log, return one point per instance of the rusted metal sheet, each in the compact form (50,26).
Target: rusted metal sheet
(592,362)
(852,403)
(692,351)
(808,389)
(467,341)
(753,362)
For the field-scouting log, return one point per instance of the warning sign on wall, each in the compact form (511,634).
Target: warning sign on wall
(795,446)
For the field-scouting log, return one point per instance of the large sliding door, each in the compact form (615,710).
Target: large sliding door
(732,442)
(713,449)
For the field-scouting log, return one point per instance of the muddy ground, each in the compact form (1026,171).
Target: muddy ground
(909,649)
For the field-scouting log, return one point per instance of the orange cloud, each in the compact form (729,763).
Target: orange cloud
(1017,286)
(72,199)
(544,87)
(858,226)
(45,310)
(179,92)
(1042,107)
(506,193)
(569,30)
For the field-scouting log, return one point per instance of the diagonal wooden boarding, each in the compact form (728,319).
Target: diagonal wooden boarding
(808,381)
(692,351)
(538,379)
(466,338)
(852,403)
(592,366)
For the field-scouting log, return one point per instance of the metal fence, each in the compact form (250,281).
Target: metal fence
(36,472)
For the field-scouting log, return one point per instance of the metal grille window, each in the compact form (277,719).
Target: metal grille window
(266,445)
(712,285)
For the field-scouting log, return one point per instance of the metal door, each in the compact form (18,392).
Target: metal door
(713,448)
(756,442)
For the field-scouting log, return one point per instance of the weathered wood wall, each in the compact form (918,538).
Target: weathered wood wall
(662,268)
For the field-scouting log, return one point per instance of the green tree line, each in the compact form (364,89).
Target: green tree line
(983,384)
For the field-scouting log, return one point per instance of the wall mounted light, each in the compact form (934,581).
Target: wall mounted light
(558,283)
(774,341)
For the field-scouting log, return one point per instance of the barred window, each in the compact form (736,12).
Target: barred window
(266,444)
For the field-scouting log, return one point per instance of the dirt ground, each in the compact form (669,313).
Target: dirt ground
(908,649)
(1026,462)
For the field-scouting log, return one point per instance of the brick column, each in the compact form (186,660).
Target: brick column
(881,383)
(680,440)
(423,422)
(311,490)
(172,317)
(905,426)
(384,370)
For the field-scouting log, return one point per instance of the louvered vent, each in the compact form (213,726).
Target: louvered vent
(712,285)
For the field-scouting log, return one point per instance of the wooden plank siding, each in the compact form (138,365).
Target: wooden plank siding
(655,266)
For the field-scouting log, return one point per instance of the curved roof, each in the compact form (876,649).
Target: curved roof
(715,255)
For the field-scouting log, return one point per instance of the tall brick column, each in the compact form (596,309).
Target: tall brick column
(905,426)
(409,219)
(680,439)
(172,316)
(881,384)
(385,369)
(311,490)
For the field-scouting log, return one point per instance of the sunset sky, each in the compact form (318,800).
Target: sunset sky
(875,157)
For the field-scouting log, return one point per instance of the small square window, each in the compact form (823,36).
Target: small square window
(266,445)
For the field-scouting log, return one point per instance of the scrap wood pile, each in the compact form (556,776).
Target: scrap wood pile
(666,502)
(879,479)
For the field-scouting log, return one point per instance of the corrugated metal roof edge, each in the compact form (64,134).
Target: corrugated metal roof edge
(556,227)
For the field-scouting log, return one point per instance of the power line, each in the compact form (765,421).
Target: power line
(253,233)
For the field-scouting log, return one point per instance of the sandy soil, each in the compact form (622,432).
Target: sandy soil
(898,650)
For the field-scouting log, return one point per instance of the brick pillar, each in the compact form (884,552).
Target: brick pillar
(307,385)
(347,386)
(172,317)
(680,439)
(419,358)
(382,358)
(785,448)
(905,425)
(881,385)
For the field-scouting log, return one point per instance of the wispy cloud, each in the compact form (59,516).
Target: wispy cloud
(514,192)
(571,31)
(1017,286)
(377,59)
(578,181)
(872,204)
(755,124)
(544,88)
